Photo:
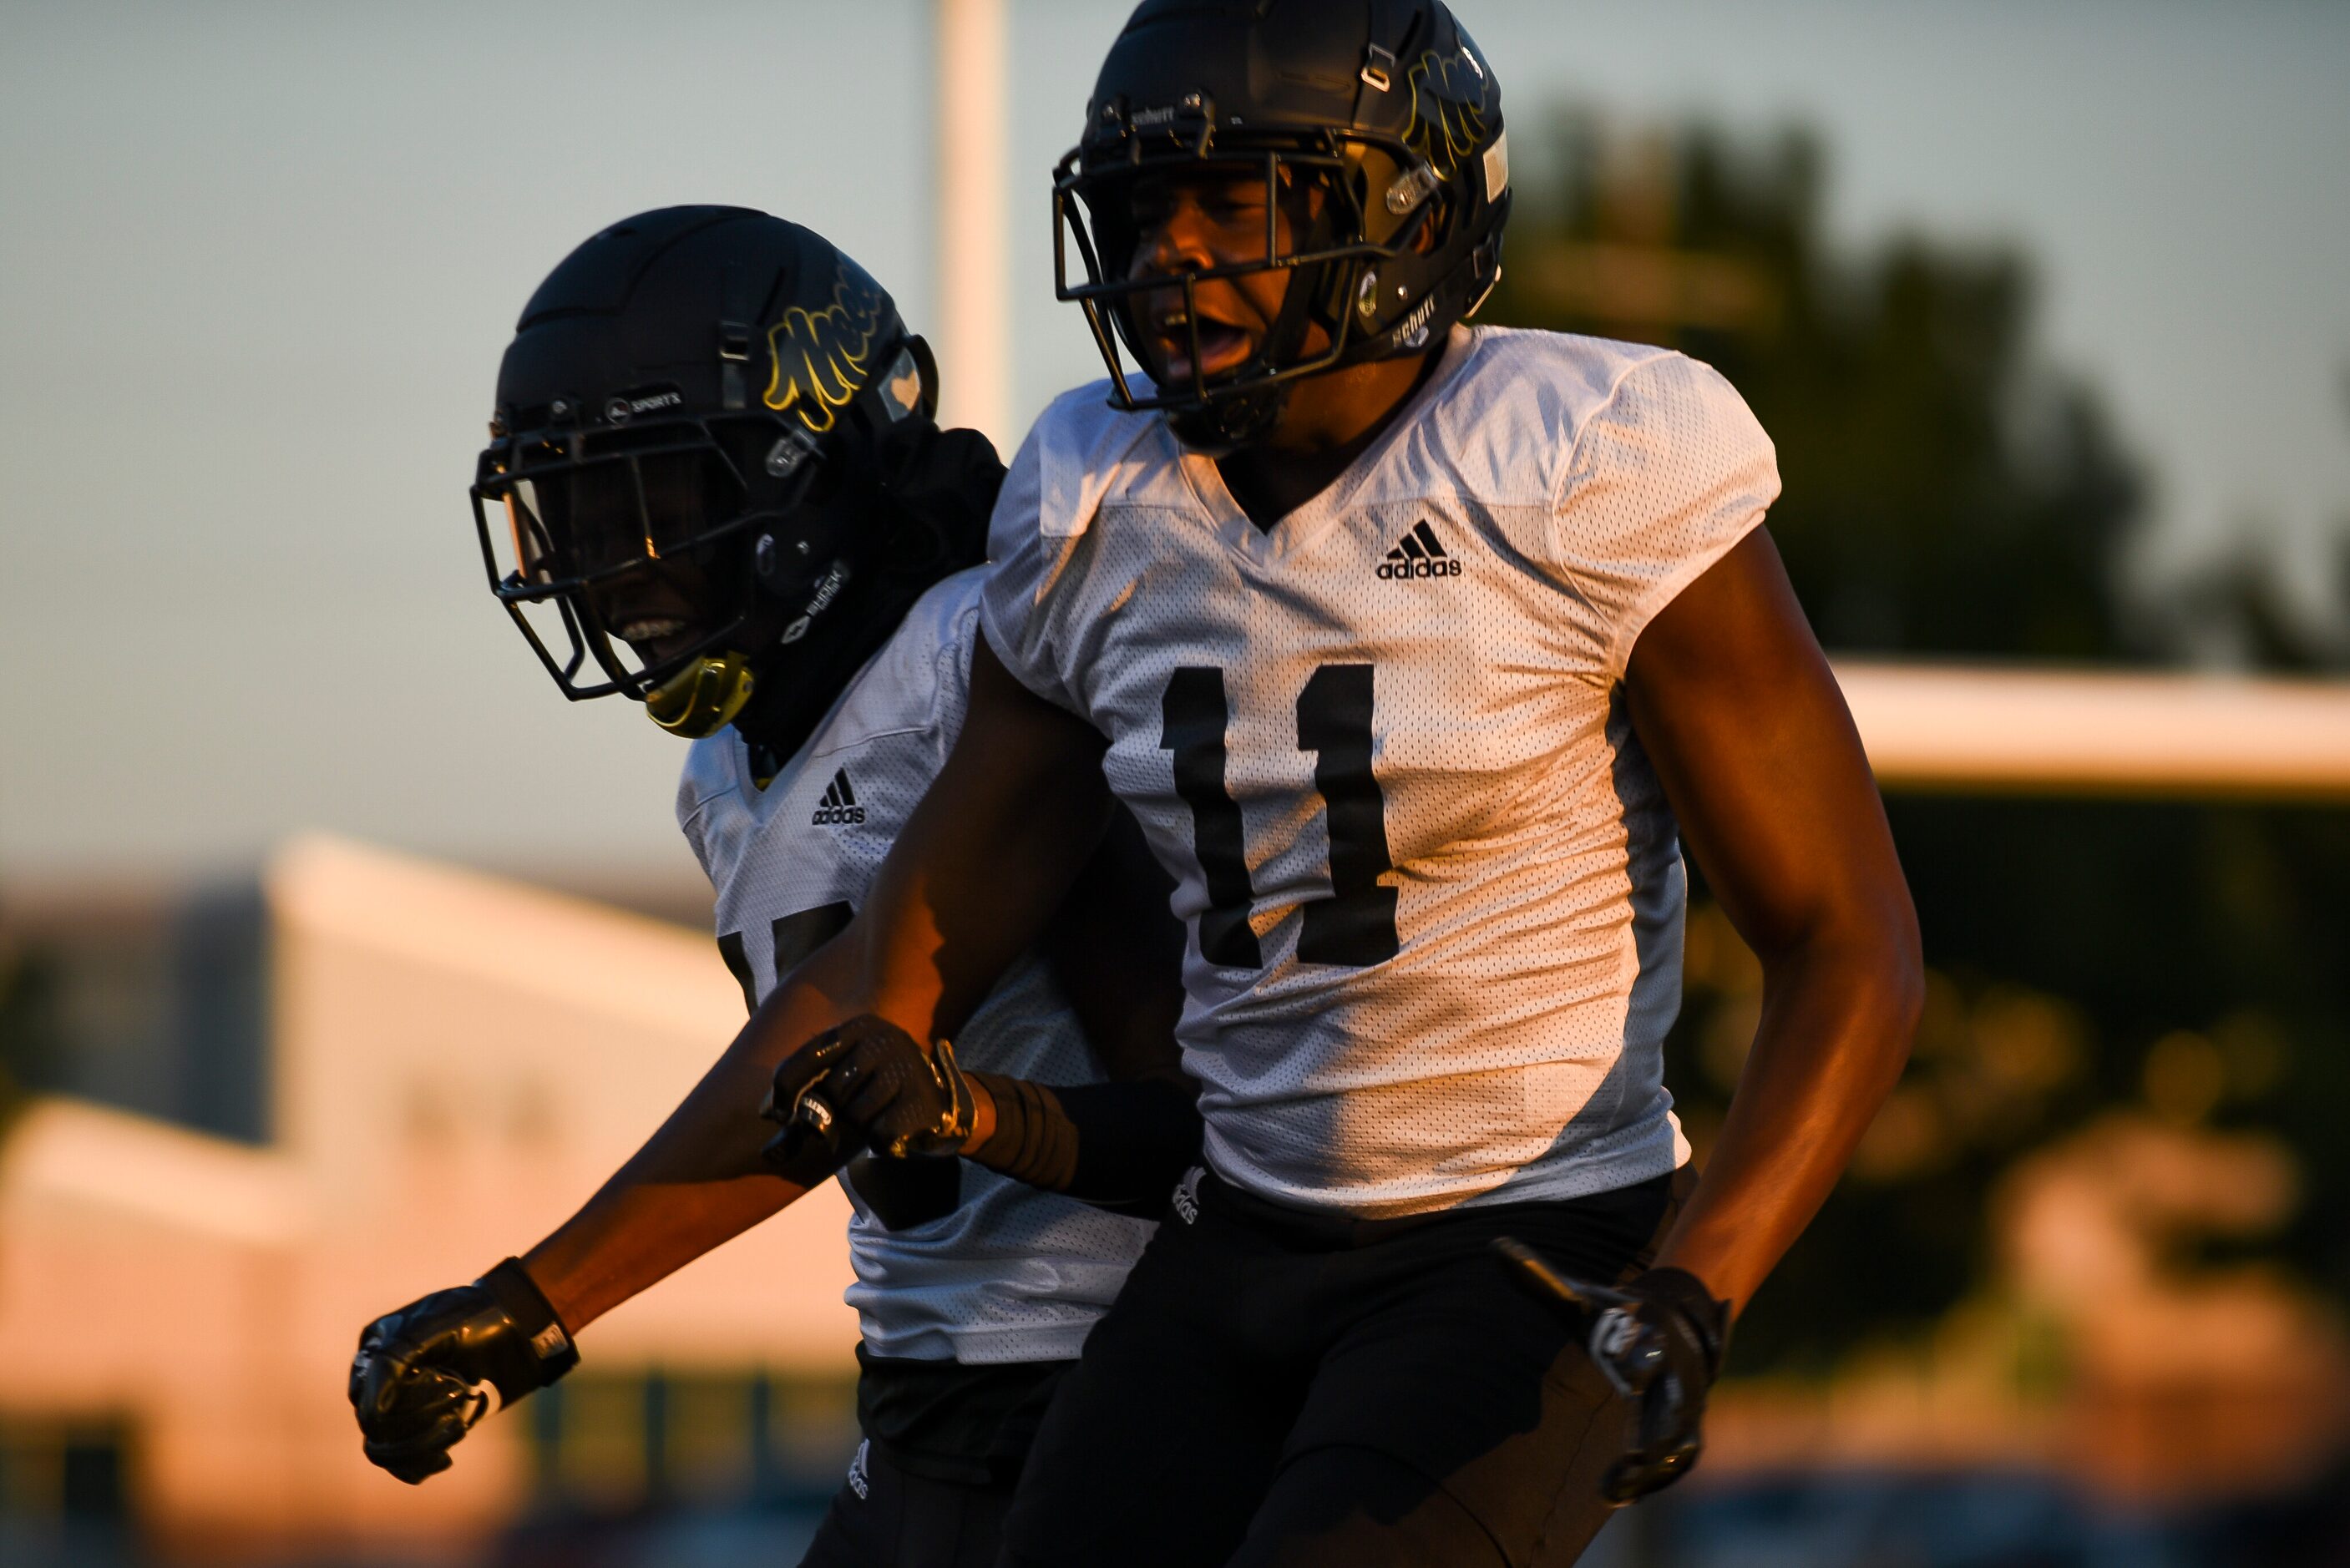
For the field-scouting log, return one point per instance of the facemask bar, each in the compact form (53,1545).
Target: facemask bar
(522,474)
(501,472)
(585,637)
(1078,193)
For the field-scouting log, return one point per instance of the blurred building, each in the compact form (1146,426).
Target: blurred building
(298,1104)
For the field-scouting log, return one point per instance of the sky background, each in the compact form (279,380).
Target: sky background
(257,264)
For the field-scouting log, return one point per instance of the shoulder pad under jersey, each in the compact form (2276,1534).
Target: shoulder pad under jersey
(1082,450)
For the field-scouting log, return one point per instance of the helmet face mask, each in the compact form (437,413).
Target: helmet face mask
(569,524)
(1400,133)
(1310,222)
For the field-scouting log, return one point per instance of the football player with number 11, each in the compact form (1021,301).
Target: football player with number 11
(1418,649)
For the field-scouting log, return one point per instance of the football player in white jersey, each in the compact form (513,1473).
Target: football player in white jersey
(1417,650)
(715,475)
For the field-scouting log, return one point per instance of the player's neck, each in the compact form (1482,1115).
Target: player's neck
(1328,422)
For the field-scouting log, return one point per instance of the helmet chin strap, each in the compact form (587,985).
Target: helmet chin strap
(1219,427)
(702,698)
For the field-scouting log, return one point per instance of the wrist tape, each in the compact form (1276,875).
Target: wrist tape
(1035,1141)
(518,1296)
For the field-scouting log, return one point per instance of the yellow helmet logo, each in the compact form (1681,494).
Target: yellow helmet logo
(824,358)
(1450,99)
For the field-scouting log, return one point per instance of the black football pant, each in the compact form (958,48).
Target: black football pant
(1280,1389)
(885,1517)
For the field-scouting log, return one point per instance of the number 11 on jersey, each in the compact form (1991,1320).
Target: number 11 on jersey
(1356,926)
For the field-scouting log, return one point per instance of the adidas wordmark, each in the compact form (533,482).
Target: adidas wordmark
(1418,556)
(839,808)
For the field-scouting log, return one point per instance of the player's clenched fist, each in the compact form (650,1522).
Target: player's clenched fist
(1660,1340)
(418,1380)
(894,1097)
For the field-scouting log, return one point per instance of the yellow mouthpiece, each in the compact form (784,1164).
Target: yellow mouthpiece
(702,698)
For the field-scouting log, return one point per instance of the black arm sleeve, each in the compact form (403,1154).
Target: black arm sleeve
(1120,1146)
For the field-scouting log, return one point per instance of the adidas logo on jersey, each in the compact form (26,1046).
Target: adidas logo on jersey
(1418,556)
(839,808)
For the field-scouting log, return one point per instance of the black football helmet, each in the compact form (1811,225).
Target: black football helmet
(708,408)
(1385,105)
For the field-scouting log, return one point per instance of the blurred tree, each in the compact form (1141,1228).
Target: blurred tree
(1949,493)
(1945,492)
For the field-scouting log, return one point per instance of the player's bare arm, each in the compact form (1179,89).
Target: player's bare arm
(697,1183)
(1740,718)
(1738,714)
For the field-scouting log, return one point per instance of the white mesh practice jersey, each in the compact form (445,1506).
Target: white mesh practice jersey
(1433,890)
(1014,1274)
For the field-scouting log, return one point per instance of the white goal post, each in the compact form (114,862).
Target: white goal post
(970,248)
(1958,728)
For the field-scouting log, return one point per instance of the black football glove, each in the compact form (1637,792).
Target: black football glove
(1660,1340)
(417,1379)
(868,1081)
(815,1141)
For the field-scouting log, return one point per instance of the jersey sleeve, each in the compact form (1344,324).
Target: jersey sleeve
(1025,560)
(950,671)
(695,789)
(1081,452)
(1669,474)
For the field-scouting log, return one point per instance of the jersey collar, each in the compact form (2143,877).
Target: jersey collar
(1314,517)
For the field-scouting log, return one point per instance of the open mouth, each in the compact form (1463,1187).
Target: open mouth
(650,629)
(1222,346)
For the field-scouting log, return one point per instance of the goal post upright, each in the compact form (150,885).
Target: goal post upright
(971,241)
(1958,729)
